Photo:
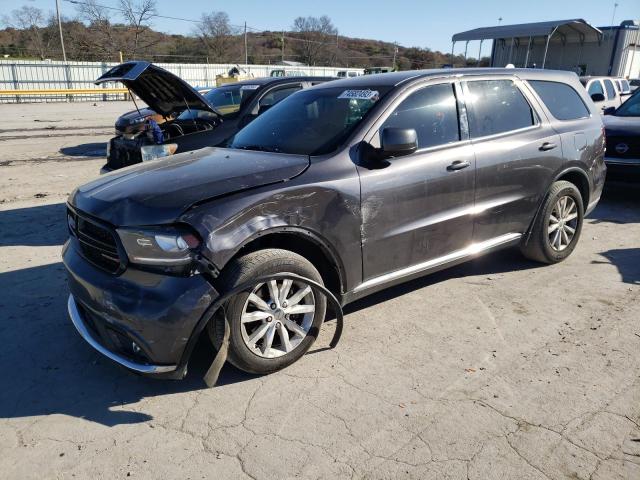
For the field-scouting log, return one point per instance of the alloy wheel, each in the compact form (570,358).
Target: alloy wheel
(277,317)
(563,223)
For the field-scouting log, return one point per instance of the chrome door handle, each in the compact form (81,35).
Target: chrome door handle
(546,146)
(458,165)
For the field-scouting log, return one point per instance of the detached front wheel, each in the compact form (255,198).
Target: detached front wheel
(277,322)
(557,227)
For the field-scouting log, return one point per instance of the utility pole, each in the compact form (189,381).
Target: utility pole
(395,52)
(613,17)
(246,52)
(64,54)
(282,46)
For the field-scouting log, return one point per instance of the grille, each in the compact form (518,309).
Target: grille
(632,143)
(97,243)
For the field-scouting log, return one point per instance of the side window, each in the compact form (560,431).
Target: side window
(432,111)
(595,87)
(496,106)
(562,100)
(278,94)
(611,90)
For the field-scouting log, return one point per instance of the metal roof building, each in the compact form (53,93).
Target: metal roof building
(562,45)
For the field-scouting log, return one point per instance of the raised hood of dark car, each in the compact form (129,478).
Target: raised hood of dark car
(162,91)
(158,192)
(621,126)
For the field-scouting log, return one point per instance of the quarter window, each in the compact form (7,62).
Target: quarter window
(496,106)
(563,101)
(432,112)
(611,90)
(595,87)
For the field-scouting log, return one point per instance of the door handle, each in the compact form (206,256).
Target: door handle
(546,146)
(458,165)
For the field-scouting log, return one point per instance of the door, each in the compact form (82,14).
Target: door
(613,97)
(595,86)
(417,207)
(516,152)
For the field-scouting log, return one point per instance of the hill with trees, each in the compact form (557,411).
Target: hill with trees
(101,33)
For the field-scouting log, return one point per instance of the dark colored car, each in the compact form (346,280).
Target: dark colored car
(622,127)
(359,184)
(179,119)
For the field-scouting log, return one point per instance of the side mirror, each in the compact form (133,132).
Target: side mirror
(609,111)
(597,97)
(398,141)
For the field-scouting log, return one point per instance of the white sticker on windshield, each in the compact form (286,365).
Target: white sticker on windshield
(249,87)
(360,94)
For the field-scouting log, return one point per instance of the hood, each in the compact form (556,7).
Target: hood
(158,192)
(621,126)
(162,91)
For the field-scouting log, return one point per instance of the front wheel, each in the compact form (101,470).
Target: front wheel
(557,227)
(277,322)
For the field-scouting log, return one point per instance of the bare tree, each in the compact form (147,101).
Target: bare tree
(100,39)
(315,35)
(216,34)
(137,15)
(31,20)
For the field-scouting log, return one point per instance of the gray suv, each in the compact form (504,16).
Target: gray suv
(357,184)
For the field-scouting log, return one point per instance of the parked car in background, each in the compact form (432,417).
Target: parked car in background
(179,119)
(634,83)
(623,87)
(602,91)
(375,70)
(348,73)
(358,184)
(623,135)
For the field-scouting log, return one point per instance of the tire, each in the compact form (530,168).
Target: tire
(257,264)
(543,244)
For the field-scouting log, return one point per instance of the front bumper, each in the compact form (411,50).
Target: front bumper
(83,330)
(144,321)
(627,162)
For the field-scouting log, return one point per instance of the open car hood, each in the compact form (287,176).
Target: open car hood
(162,91)
(159,191)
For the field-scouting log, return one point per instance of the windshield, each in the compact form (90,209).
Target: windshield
(226,100)
(310,122)
(630,108)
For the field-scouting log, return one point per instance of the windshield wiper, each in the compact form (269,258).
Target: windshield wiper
(259,148)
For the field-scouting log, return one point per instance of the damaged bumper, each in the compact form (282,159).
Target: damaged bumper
(143,321)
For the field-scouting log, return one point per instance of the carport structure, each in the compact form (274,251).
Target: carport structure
(509,40)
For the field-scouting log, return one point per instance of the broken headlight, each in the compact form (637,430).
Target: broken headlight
(171,248)
(151,152)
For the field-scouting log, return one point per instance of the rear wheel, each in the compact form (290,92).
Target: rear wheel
(277,322)
(557,227)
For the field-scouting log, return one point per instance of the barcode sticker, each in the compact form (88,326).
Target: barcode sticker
(359,94)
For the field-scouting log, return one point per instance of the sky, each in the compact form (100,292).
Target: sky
(426,23)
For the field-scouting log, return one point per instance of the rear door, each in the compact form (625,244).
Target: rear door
(516,152)
(418,207)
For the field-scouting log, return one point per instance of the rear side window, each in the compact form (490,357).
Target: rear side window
(562,100)
(611,91)
(496,106)
(432,111)
(595,87)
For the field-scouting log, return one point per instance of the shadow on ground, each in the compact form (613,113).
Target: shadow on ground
(53,371)
(98,149)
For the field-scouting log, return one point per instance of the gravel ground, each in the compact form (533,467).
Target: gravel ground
(498,368)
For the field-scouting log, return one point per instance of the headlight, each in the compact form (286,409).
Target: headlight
(151,152)
(172,246)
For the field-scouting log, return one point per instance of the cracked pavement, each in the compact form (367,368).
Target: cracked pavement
(498,368)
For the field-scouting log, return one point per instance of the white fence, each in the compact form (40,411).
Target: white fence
(55,75)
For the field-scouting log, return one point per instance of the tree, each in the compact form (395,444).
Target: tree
(137,16)
(100,39)
(314,36)
(216,34)
(31,20)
